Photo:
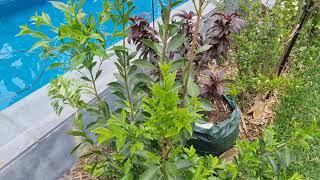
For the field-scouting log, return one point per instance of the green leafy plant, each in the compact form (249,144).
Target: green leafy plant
(266,158)
(78,38)
(269,160)
(258,47)
(152,148)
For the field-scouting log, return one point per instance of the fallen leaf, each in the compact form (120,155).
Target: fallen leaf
(256,105)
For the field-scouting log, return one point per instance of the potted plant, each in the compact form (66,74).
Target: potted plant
(220,132)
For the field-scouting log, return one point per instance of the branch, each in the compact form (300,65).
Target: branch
(192,53)
(294,35)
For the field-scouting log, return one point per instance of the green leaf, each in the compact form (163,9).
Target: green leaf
(98,74)
(176,3)
(61,6)
(150,173)
(119,48)
(127,166)
(77,60)
(183,164)
(116,85)
(46,18)
(203,48)
(120,34)
(102,131)
(100,52)
(172,132)
(55,65)
(96,36)
(85,78)
(144,78)
(285,158)
(78,121)
(151,44)
(144,64)
(76,133)
(193,89)
(132,55)
(75,148)
(179,64)
(273,164)
(25,30)
(176,42)
(206,105)
(105,134)
(91,21)
(120,141)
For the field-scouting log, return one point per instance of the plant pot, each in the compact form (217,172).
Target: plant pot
(215,139)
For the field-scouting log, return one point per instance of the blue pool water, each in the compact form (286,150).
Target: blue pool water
(22,73)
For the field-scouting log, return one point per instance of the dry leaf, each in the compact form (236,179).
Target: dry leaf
(256,105)
(229,155)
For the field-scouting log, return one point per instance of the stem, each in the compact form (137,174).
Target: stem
(128,91)
(166,32)
(191,55)
(123,24)
(93,81)
(164,171)
(127,64)
(165,155)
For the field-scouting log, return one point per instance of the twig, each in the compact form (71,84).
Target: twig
(192,53)
(166,32)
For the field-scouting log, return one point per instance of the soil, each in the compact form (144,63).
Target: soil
(217,116)
(78,172)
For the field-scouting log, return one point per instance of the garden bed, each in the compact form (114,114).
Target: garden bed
(172,117)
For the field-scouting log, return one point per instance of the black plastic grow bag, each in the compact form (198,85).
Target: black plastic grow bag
(215,139)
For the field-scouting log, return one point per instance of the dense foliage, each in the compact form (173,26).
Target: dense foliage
(143,135)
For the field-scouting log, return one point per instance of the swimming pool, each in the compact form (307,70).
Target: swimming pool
(22,73)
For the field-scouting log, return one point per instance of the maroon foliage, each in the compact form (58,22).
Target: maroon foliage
(140,30)
(186,19)
(218,34)
(214,89)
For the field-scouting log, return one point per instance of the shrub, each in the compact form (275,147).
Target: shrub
(259,46)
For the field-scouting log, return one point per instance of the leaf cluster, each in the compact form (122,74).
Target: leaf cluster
(141,30)
(214,89)
(218,35)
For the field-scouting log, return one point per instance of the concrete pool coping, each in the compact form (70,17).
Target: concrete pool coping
(36,119)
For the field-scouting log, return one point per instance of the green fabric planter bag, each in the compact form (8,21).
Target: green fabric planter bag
(215,139)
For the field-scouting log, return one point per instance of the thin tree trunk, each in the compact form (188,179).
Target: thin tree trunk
(294,35)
